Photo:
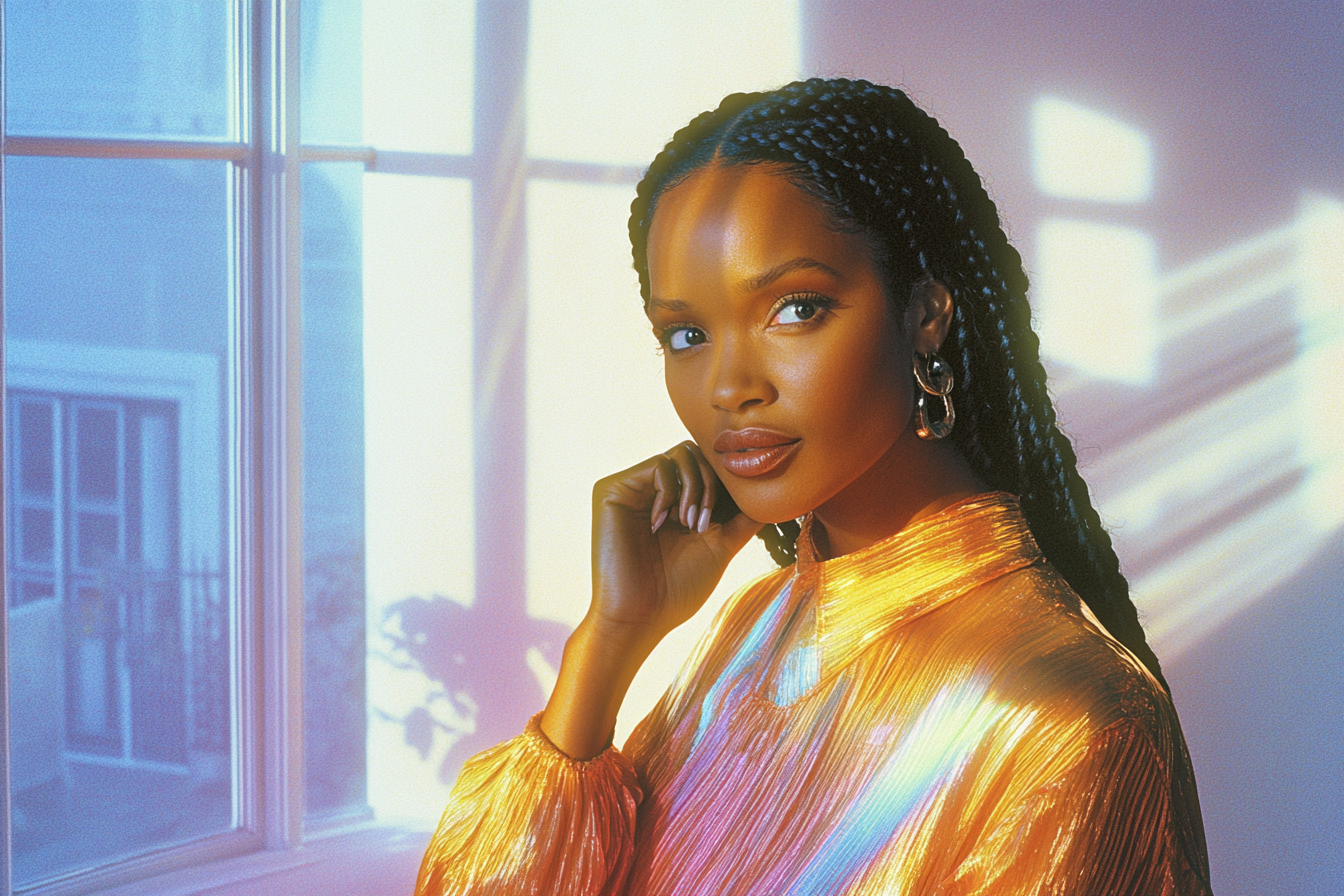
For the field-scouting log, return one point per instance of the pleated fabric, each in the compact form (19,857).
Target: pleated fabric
(935,714)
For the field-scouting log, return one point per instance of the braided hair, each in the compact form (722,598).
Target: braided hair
(887,170)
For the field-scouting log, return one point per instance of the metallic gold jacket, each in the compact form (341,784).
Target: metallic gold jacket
(937,713)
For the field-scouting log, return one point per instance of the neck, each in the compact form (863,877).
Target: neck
(914,479)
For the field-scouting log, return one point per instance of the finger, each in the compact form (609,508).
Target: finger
(710,493)
(692,484)
(667,490)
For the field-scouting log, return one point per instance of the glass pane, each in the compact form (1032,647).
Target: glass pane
(331,89)
(97,468)
(397,76)
(333,490)
(116,327)
(37,535)
(388,506)
(608,407)
(418,467)
(35,446)
(30,591)
(611,82)
(134,68)
(99,541)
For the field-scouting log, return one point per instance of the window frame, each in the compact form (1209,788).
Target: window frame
(261,445)
(264,439)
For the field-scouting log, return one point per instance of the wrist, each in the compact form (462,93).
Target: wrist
(600,660)
(617,639)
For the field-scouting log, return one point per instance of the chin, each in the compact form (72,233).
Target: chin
(763,507)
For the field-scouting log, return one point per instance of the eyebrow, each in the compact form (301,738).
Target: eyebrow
(760,281)
(751,284)
(675,306)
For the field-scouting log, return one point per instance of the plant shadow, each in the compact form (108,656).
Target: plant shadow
(481,663)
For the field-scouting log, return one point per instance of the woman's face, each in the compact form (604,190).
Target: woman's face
(784,356)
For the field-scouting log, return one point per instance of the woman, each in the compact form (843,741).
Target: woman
(918,701)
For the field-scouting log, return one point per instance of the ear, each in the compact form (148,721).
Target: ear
(928,315)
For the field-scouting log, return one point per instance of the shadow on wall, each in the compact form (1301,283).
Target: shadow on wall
(485,667)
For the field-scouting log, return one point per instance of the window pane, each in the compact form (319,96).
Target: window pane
(333,491)
(97,468)
(133,68)
(116,327)
(331,103)
(35,464)
(394,75)
(388,496)
(37,535)
(611,82)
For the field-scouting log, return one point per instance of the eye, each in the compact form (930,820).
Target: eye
(800,310)
(682,338)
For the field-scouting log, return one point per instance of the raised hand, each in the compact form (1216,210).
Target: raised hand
(658,552)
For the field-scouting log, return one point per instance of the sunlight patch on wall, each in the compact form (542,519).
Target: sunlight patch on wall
(1095,298)
(610,82)
(1080,153)
(1321,311)
(418,463)
(418,65)
(596,402)
(1216,499)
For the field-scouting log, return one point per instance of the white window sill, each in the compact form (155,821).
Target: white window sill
(372,861)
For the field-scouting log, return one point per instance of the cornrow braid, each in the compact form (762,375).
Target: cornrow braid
(887,170)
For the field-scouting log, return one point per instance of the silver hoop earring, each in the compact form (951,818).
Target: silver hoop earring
(933,375)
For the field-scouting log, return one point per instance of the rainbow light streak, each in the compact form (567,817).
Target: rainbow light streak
(941,740)
(800,674)
(731,680)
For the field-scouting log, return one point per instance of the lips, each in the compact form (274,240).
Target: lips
(753,452)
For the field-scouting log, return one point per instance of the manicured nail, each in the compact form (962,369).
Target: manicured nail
(661,518)
(692,513)
(704,521)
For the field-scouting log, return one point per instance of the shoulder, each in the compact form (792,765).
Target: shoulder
(1037,641)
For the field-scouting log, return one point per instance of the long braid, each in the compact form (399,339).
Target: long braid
(886,169)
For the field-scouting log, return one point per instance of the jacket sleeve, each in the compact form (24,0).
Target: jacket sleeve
(1115,822)
(524,817)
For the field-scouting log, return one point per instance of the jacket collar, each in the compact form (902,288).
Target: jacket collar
(861,596)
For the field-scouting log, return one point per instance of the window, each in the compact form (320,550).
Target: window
(296,304)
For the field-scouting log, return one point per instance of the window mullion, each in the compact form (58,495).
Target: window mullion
(274,615)
(115,148)
(5,845)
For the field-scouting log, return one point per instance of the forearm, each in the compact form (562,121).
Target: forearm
(598,665)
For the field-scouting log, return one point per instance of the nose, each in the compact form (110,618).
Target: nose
(739,380)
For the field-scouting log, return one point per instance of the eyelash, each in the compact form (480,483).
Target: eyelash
(819,302)
(665,336)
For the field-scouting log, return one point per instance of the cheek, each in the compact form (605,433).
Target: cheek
(870,395)
(686,392)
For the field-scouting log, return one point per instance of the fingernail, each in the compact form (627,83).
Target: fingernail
(661,517)
(692,514)
(704,521)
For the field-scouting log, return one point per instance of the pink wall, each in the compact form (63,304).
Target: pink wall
(1243,103)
